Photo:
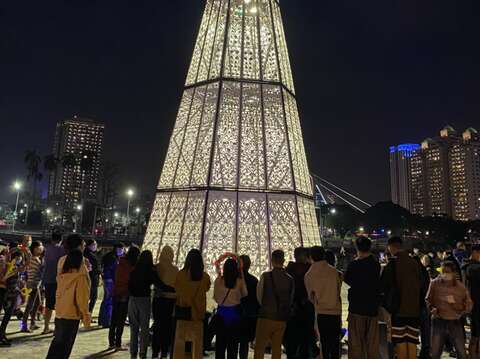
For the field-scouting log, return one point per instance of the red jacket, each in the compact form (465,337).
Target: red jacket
(122,275)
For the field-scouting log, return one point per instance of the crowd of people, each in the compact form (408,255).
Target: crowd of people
(408,298)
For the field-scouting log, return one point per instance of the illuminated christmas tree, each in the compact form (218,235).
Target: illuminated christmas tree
(235,177)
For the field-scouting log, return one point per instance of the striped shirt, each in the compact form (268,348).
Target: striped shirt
(34,272)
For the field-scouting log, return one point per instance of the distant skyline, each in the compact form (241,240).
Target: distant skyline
(368,76)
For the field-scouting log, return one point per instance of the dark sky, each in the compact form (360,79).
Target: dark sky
(368,74)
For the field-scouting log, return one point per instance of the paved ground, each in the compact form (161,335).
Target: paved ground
(89,344)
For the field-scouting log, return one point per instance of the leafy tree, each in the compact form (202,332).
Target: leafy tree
(32,162)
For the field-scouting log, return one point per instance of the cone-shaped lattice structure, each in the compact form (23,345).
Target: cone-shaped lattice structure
(236,177)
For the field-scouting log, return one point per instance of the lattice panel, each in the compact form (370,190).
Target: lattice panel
(282,48)
(252,237)
(174,222)
(233,57)
(251,59)
(199,170)
(284,226)
(207,49)
(215,69)
(299,158)
(171,161)
(267,42)
(308,221)
(192,226)
(184,166)
(278,159)
(197,52)
(153,237)
(219,226)
(252,154)
(226,143)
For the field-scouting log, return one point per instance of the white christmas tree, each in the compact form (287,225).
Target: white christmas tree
(235,177)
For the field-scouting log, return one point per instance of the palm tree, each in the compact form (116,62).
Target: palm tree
(32,161)
(50,164)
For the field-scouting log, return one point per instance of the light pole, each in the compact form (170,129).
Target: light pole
(17,186)
(137,211)
(129,195)
(77,217)
(26,213)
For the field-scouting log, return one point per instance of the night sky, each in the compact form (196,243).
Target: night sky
(368,74)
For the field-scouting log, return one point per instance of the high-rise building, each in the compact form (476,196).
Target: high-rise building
(400,173)
(464,166)
(235,178)
(444,176)
(78,146)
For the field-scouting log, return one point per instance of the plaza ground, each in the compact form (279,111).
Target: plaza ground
(89,344)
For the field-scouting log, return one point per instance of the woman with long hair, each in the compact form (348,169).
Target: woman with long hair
(163,304)
(191,286)
(120,297)
(73,294)
(229,289)
(141,280)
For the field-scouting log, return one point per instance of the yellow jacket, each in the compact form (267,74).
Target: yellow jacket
(73,294)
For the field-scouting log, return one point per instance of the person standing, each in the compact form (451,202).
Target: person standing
(53,252)
(401,287)
(109,266)
(163,304)
(73,293)
(323,284)
(120,297)
(8,290)
(229,289)
(94,273)
(249,308)
(191,286)
(472,281)
(300,328)
(34,276)
(363,277)
(275,293)
(141,280)
(448,300)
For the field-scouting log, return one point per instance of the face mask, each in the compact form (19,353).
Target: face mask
(119,252)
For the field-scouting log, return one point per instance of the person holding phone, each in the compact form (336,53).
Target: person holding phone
(448,300)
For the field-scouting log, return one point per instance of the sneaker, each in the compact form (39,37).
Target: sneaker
(34,327)
(24,328)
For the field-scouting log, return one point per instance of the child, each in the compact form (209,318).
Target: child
(34,275)
(8,289)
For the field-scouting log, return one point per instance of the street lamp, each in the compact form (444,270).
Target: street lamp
(129,195)
(333,210)
(17,186)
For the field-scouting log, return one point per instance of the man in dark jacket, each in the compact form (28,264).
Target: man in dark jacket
(275,293)
(249,307)
(300,328)
(94,273)
(363,277)
(401,286)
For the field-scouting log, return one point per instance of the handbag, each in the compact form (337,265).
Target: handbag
(185,312)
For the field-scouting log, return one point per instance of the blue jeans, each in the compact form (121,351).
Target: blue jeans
(451,329)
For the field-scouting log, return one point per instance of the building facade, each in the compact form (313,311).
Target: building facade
(444,176)
(78,148)
(400,173)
